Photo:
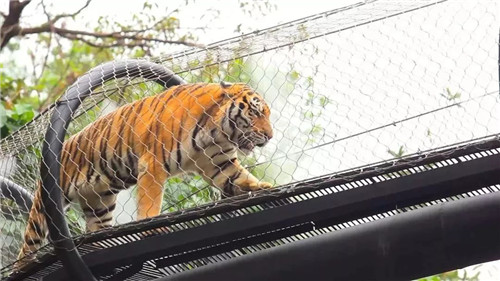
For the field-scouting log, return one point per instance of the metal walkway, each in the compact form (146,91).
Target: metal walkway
(381,207)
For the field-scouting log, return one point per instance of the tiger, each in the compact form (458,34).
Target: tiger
(195,128)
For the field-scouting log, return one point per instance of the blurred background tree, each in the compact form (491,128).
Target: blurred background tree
(57,54)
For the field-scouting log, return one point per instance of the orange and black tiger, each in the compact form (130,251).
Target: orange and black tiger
(188,128)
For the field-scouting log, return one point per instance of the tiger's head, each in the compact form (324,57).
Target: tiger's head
(246,120)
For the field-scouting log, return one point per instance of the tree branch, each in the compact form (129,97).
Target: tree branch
(58,17)
(11,23)
(128,38)
(44,64)
(119,36)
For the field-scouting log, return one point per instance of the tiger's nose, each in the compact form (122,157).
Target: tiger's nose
(268,134)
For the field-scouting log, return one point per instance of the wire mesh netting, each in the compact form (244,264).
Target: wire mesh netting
(370,82)
(193,255)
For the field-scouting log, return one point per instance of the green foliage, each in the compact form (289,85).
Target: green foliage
(186,192)
(13,119)
(452,276)
(450,96)
(398,153)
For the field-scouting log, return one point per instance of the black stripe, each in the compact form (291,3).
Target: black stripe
(82,145)
(225,152)
(157,101)
(174,92)
(32,241)
(172,139)
(238,114)
(64,178)
(114,165)
(98,212)
(132,162)
(228,189)
(239,117)
(165,159)
(137,111)
(232,124)
(159,127)
(179,155)
(213,133)
(64,160)
(105,170)
(195,88)
(119,130)
(102,148)
(233,105)
(222,166)
(196,130)
(66,201)
(37,229)
(109,192)
(87,210)
(128,177)
(202,93)
(91,166)
(113,184)
(131,121)
(106,220)
(76,157)
(73,146)
(203,120)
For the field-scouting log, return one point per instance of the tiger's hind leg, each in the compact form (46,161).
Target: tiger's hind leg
(36,229)
(98,210)
(98,203)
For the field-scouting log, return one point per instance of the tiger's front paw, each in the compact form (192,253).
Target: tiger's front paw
(246,186)
(255,186)
(264,185)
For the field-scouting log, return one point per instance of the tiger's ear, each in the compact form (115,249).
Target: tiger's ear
(225,85)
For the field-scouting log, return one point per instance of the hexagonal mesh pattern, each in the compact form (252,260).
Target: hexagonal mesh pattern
(349,87)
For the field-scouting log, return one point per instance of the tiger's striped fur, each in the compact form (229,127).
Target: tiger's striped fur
(189,128)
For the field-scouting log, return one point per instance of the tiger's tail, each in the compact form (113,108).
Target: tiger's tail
(36,229)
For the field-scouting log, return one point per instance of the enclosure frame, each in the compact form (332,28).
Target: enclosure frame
(436,223)
(62,115)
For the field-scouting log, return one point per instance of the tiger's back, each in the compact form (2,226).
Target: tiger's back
(188,128)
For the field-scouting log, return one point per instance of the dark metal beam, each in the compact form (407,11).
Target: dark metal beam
(16,193)
(375,169)
(403,247)
(364,172)
(326,210)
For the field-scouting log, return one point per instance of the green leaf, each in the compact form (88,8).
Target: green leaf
(22,108)
(323,101)
(401,151)
(3,116)
(294,75)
